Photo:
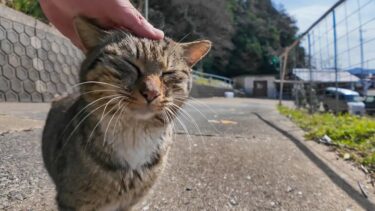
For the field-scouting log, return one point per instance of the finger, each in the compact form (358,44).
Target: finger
(130,18)
(61,21)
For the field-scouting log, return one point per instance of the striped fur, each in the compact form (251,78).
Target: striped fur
(105,146)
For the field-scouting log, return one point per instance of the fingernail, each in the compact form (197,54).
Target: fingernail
(159,33)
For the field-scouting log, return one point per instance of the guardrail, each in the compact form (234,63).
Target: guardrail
(213,80)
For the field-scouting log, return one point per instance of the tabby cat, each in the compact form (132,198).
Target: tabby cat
(105,146)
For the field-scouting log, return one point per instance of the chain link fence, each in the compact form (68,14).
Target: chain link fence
(338,51)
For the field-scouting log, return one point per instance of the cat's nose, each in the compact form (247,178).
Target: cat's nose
(150,95)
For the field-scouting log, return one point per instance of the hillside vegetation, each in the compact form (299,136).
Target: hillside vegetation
(247,34)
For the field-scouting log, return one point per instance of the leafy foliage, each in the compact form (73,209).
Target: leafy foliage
(247,34)
(261,32)
(350,134)
(29,7)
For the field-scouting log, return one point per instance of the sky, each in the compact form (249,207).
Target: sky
(304,11)
(355,31)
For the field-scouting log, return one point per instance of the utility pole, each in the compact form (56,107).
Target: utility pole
(146,9)
(310,81)
(363,74)
(361,41)
(335,58)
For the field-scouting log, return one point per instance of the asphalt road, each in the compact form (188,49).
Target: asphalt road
(230,154)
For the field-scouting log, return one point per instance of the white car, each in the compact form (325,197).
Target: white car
(348,101)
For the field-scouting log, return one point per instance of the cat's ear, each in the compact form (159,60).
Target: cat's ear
(195,51)
(89,34)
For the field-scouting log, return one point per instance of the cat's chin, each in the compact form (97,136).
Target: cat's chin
(143,114)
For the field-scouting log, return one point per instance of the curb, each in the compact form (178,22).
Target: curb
(349,179)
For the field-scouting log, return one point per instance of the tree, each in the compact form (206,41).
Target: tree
(262,32)
(197,19)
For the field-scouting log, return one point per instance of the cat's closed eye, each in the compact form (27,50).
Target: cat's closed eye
(173,77)
(167,73)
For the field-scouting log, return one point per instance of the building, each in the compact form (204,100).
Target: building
(260,86)
(328,76)
(325,78)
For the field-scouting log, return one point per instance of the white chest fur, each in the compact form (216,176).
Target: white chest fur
(135,143)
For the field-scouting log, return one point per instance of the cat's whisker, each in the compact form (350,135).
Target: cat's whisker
(82,110)
(101,119)
(193,100)
(119,91)
(118,118)
(183,111)
(189,117)
(182,125)
(170,121)
(98,91)
(90,113)
(180,111)
(123,92)
(186,114)
(75,128)
(194,107)
(95,82)
(109,123)
(189,103)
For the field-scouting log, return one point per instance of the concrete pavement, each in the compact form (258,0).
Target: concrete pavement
(237,154)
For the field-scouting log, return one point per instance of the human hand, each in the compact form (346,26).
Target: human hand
(109,14)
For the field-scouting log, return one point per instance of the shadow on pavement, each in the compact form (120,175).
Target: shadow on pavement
(335,178)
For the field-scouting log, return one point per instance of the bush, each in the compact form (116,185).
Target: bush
(29,7)
(350,134)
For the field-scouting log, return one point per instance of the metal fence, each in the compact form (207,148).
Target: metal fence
(213,80)
(338,51)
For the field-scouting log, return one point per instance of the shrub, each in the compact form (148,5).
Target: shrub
(29,7)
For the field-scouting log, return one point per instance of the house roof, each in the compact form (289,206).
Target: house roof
(343,91)
(359,71)
(325,76)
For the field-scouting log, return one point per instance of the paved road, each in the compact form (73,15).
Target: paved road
(239,155)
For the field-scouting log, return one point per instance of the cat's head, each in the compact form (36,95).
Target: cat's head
(137,77)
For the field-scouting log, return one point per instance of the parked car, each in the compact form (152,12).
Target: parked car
(348,101)
(370,102)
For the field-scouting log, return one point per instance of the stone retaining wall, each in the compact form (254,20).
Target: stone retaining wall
(36,61)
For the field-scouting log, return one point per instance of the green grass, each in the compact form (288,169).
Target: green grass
(350,134)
